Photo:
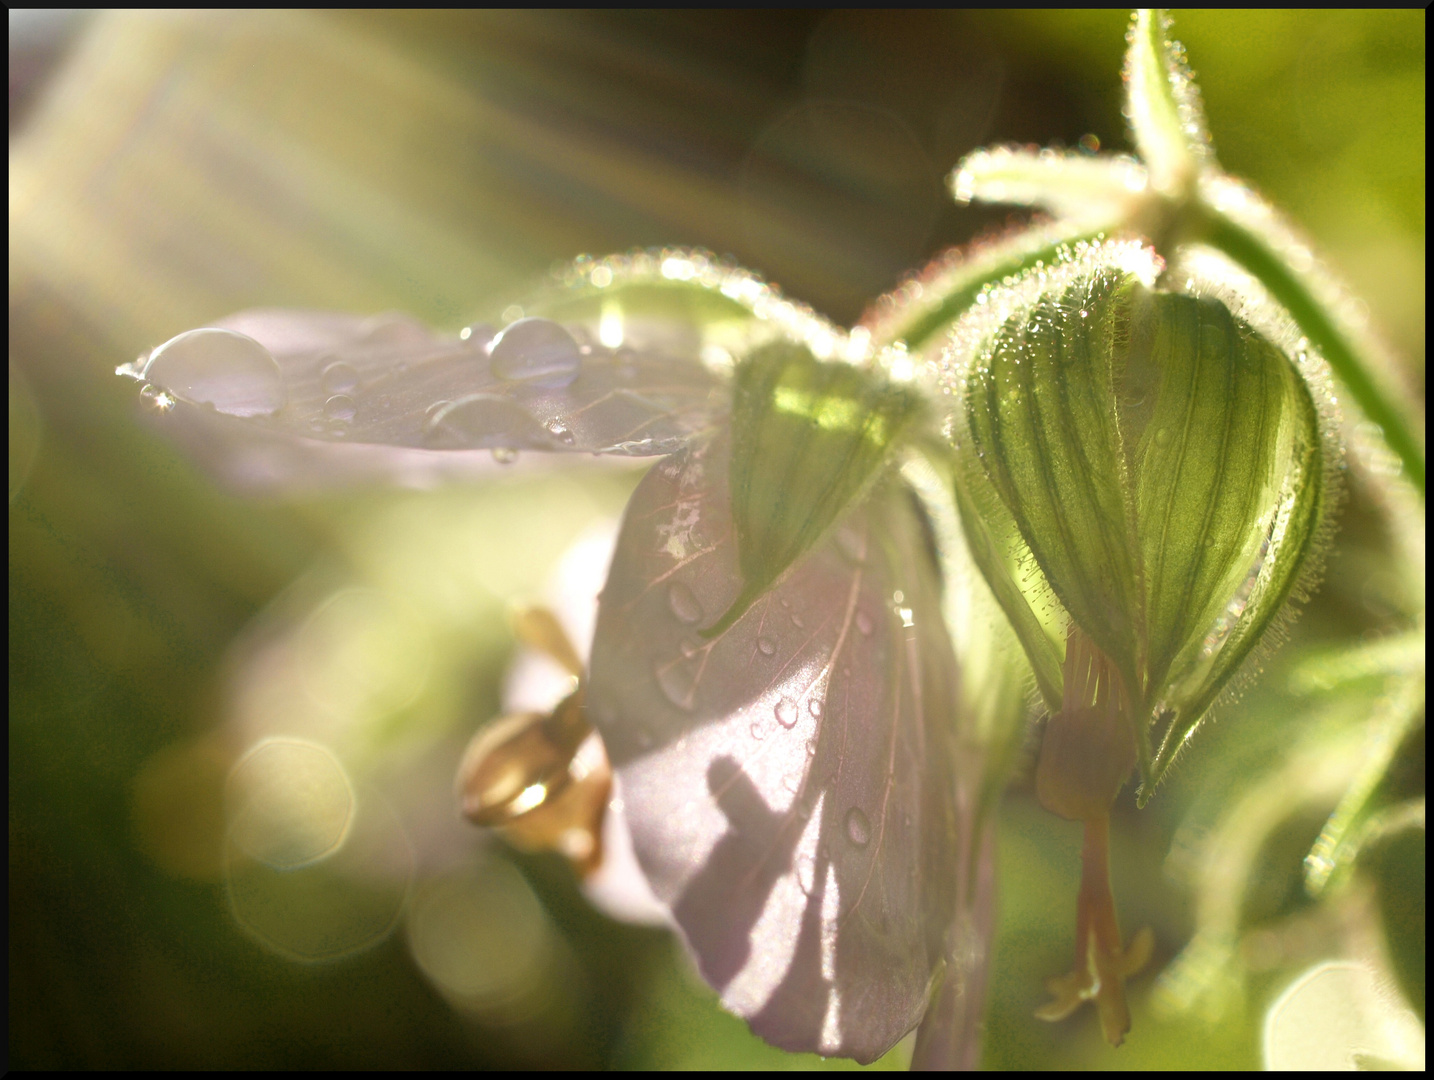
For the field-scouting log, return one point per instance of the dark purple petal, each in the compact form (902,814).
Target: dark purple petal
(789,784)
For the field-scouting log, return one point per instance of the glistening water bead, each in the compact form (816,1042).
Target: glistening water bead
(228,370)
(536,351)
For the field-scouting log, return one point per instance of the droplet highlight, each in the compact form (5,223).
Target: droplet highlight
(340,407)
(228,370)
(683,603)
(786,713)
(339,378)
(858,827)
(677,684)
(536,351)
(765,646)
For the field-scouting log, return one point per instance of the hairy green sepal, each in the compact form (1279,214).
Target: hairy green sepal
(808,439)
(1147,466)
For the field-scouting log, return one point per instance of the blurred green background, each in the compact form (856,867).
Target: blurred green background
(168,169)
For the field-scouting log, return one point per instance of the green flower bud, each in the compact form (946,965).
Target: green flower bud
(1140,469)
(808,439)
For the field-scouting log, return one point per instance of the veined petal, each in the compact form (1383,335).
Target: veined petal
(788,784)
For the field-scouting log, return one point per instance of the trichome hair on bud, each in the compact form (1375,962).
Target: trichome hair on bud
(1151,464)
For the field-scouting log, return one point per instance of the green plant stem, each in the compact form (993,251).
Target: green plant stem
(1250,251)
(953,305)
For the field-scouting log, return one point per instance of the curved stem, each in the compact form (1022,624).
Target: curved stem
(1342,354)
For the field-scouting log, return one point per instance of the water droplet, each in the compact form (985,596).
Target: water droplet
(786,713)
(478,335)
(482,420)
(536,351)
(792,782)
(863,622)
(765,646)
(1162,437)
(852,544)
(162,400)
(230,371)
(797,621)
(858,828)
(340,407)
(676,683)
(504,455)
(815,707)
(339,378)
(562,434)
(759,730)
(683,604)
(812,747)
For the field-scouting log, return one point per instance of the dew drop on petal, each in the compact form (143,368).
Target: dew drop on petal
(858,827)
(765,646)
(536,351)
(504,455)
(797,621)
(786,712)
(339,378)
(340,407)
(479,420)
(815,707)
(863,622)
(162,400)
(812,747)
(228,370)
(562,434)
(759,730)
(683,604)
(676,684)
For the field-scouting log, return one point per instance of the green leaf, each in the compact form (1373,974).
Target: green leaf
(1162,104)
(808,439)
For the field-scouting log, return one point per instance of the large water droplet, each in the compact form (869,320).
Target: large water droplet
(676,682)
(536,351)
(858,827)
(863,622)
(786,712)
(340,407)
(483,420)
(765,646)
(339,378)
(228,370)
(683,604)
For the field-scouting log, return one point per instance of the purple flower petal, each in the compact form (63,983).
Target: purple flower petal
(788,784)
